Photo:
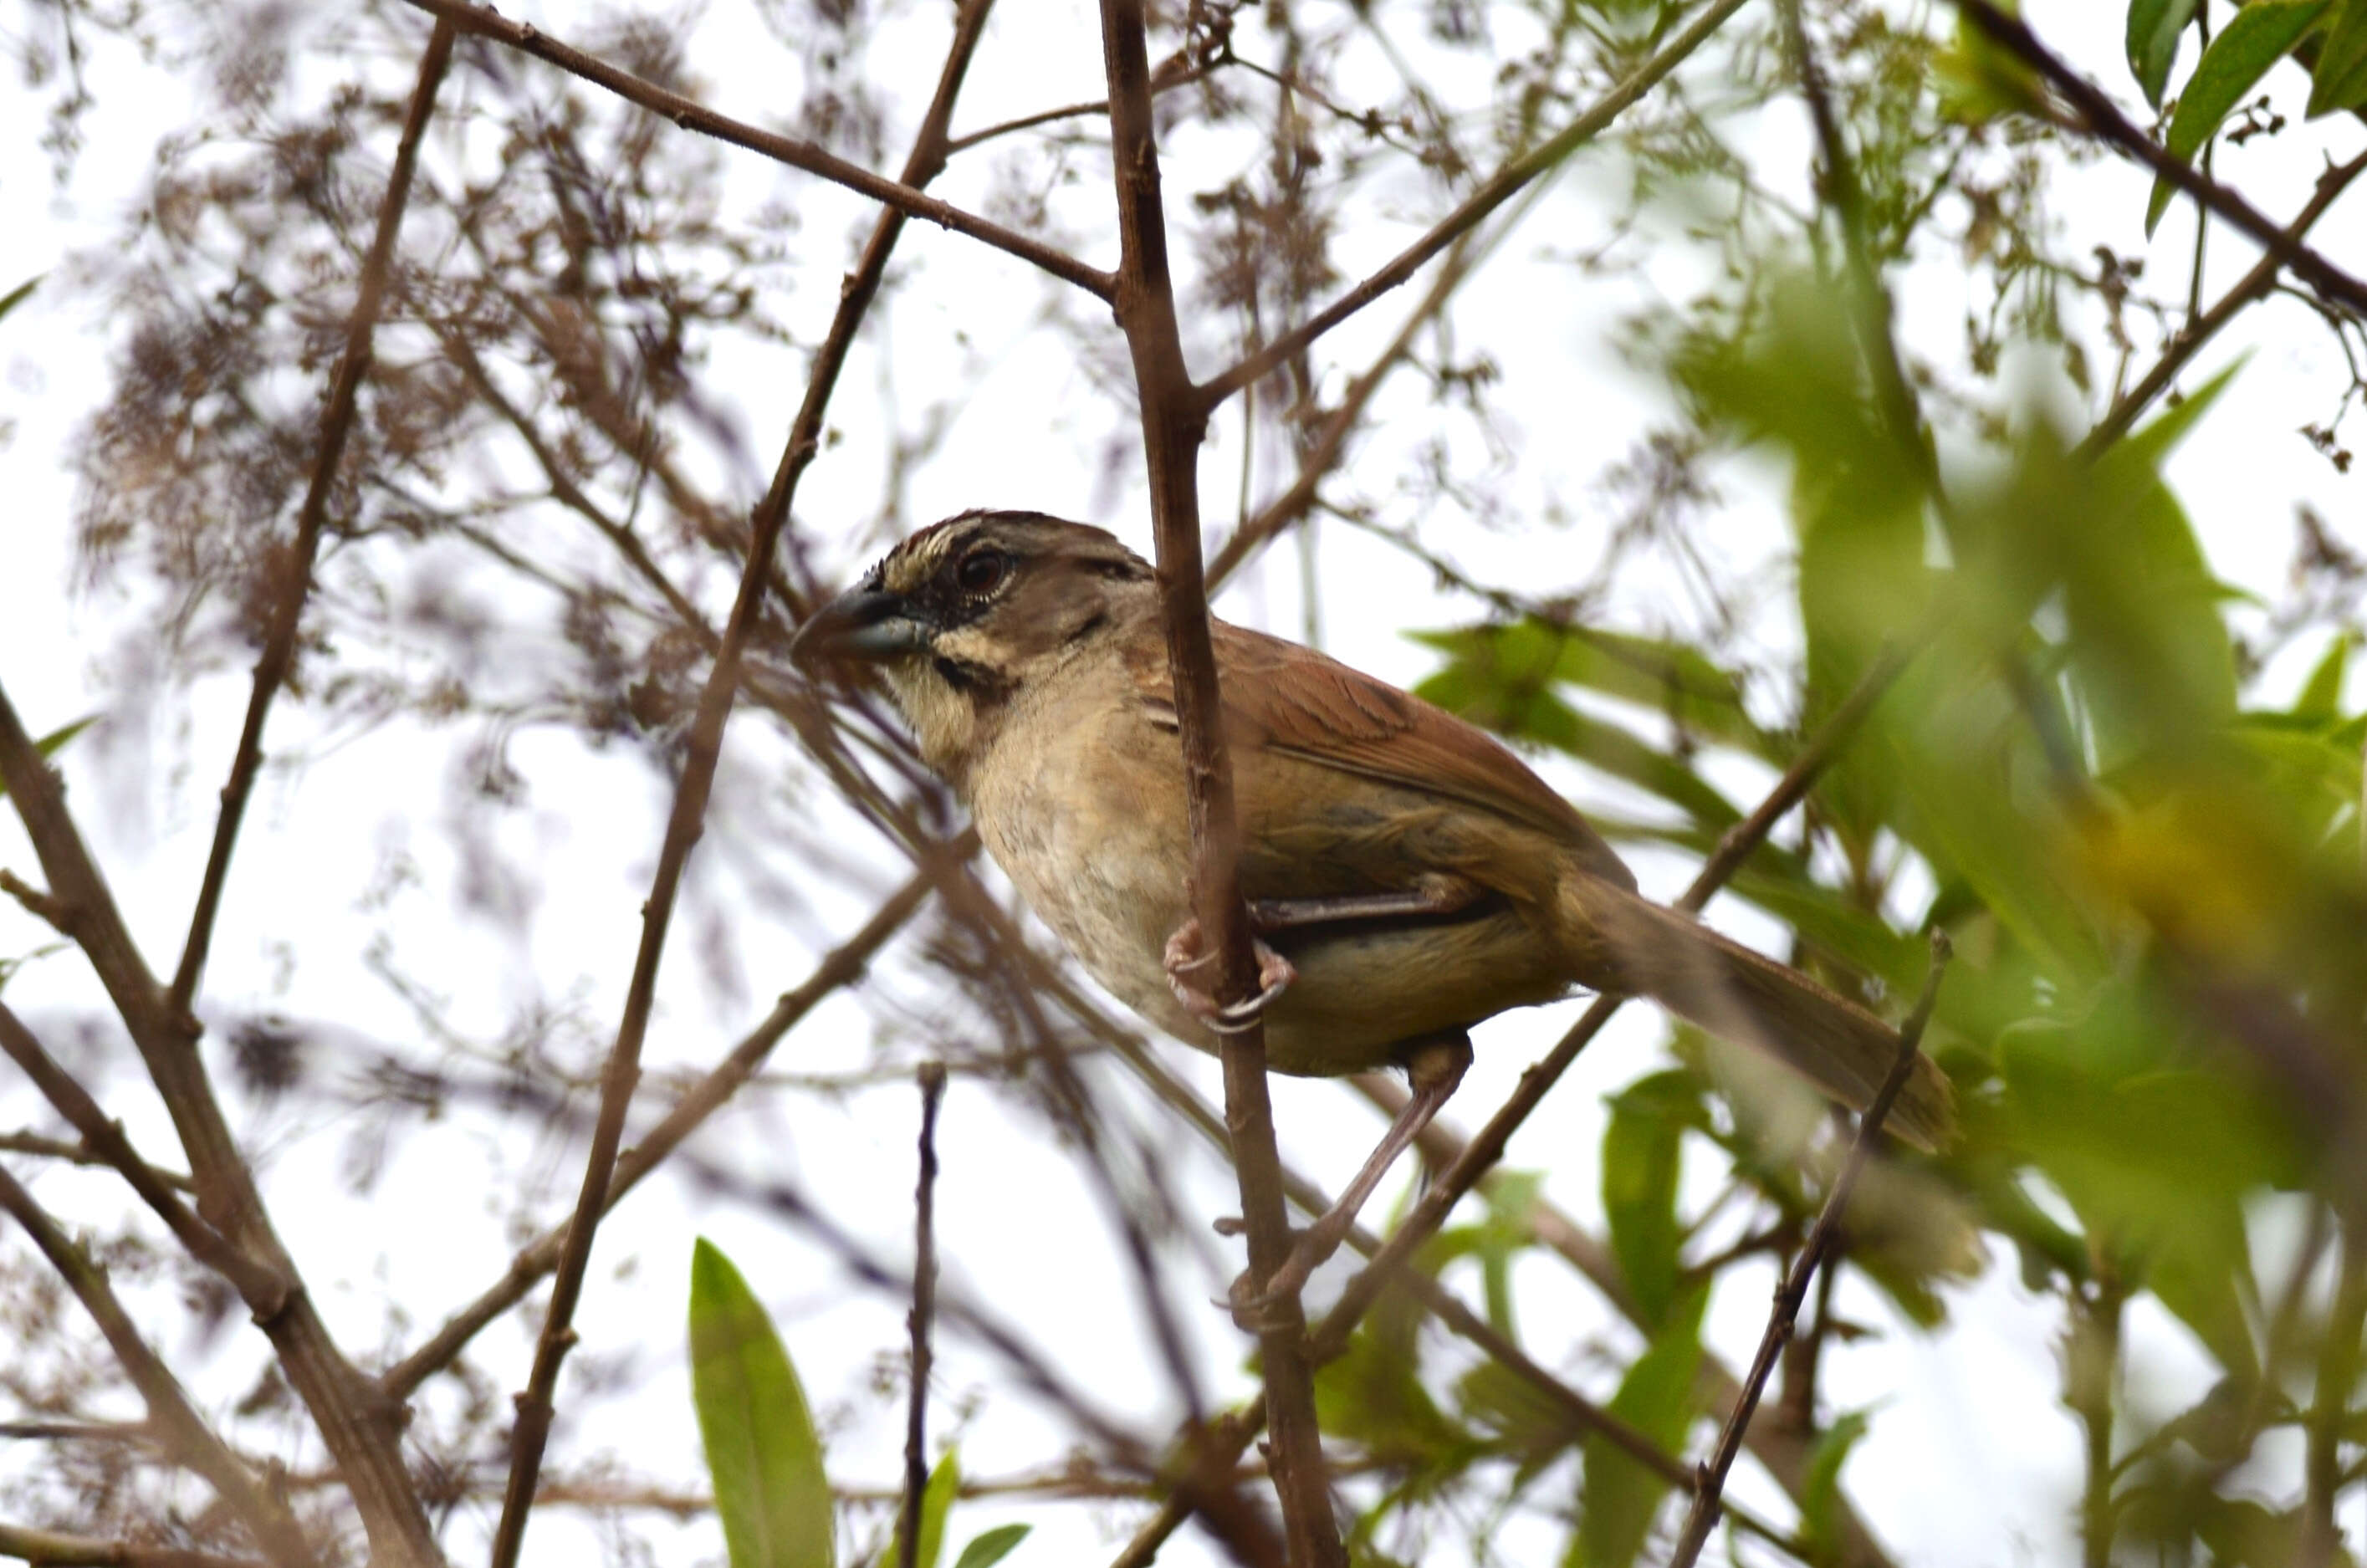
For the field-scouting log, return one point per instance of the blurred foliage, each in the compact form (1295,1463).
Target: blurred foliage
(2149,866)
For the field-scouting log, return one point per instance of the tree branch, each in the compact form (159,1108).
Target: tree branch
(183,1433)
(255,1282)
(1711,1481)
(288,606)
(2200,328)
(1481,1153)
(706,744)
(2101,119)
(841,967)
(1174,419)
(1499,189)
(50,1549)
(924,1305)
(902,198)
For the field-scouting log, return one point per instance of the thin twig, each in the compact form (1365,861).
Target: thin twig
(1175,419)
(925,1307)
(841,967)
(1499,189)
(31,1143)
(2200,330)
(257,1284)
(2101,120)
(361,1430)
(706,744)
(1486,1148)
(1711,1481)
(287,605)
(2337,1376)
(53,1549)
(182,1431)
(903,197)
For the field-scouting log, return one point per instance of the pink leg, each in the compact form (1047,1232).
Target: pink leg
(1185,953)
(1436,1065)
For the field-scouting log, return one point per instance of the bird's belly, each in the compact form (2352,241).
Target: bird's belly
(1362,992)
(1095,843)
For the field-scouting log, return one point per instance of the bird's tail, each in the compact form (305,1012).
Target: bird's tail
(1746,997)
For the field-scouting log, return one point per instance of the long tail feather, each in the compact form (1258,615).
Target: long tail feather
(1749,998)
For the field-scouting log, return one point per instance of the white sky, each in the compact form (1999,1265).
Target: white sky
(1973,1459)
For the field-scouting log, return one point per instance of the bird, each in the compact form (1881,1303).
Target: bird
(1406,876)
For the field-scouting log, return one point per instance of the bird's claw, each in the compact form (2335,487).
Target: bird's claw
(1187,952)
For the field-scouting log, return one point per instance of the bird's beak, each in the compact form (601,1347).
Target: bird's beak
(862,625)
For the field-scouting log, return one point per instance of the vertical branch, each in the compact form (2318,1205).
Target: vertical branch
(1175,419)
(1710,1482)
(2338,1375)
(2091,1358)
(296,571)
(683,825)
(925,1307)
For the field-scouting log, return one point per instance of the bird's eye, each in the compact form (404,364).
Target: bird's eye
(982,571)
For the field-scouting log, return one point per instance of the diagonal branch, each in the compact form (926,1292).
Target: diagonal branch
(288,608)
(1505,184)
(2202,328)
(2100,118)
(1174,419)
(106,1139)
(1711,1481)
(683,826)
(533,1263)
(183,1433)
(1481,1154)
(902,198)
(53,1549)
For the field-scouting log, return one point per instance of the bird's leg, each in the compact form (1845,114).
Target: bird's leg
(1187,951)
(1435,1065)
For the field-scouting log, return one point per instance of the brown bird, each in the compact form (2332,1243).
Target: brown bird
(1408,877)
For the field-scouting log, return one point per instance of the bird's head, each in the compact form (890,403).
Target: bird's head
(961,619)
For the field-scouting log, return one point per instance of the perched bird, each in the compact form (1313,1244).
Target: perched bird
(1407,876)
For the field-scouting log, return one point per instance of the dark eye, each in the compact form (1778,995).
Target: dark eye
(982,571)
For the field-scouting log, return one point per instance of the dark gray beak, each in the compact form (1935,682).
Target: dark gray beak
(862,624)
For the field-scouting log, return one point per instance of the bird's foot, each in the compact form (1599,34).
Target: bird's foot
(1259,1305)
(1187,951)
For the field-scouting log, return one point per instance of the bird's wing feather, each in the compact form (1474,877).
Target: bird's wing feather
(1283,697)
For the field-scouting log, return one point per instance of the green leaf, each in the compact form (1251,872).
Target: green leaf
(2154,27)
(991,1547)
(22,292)
(1642,1161)
(50,745)
(1656,1397)
(2340,80)
(762,1450)
(936,1501)
(2258,37)
(2321,694)
(1820,1487)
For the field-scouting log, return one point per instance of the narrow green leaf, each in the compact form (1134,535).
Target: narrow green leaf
(1642,1162)
(2258,37)
(50,745)
(936,1501)
(19,295)
(990,1547)
(1657,1396)
(1820,1487)
(2321,696)
(762,1450)
(2154,27)
(2341,79)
